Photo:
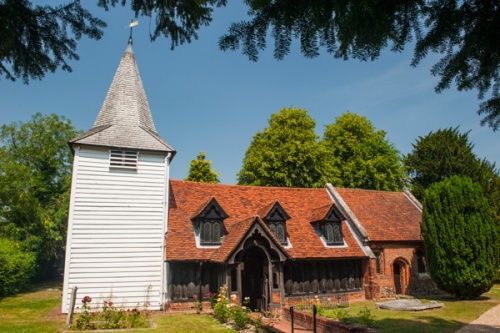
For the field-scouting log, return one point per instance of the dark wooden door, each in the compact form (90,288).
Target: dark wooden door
(397,278)
(253,278)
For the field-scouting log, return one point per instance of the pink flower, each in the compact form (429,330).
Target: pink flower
(86,299)
(209,294)
(195,296)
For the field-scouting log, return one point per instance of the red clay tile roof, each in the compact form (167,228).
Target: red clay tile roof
(243,202)
(386,216)
(319,213)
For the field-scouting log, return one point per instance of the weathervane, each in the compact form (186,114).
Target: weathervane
(131,25)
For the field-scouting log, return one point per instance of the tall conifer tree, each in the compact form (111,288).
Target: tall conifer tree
(461,237)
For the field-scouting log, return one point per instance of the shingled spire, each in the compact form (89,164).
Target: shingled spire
(125,120)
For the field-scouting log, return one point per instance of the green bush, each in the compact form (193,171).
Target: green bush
(16,267)
(461,237)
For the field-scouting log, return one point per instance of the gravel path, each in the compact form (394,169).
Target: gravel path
(488,322)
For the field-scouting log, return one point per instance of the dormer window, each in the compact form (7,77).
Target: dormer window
(209,222)
(123,159)
(276,221)
(329,222)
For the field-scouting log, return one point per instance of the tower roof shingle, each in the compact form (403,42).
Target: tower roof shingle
(125,120)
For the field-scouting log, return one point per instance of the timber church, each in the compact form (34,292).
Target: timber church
(138,237)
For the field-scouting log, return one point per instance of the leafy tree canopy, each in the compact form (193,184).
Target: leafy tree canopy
(448,152)
(201,171)
(461,237)
(359,156)
(37,39)
(284,154)
(352,153)
(35,172)
(438,155)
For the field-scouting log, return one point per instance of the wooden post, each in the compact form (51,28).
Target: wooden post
(71,306)
(314,318)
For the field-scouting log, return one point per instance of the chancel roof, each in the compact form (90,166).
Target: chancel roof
(125,120)
(386,216)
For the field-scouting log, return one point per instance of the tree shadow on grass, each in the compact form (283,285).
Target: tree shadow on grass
(423,325)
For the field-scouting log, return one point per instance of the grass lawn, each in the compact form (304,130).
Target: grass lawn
(40,312)
(448,319)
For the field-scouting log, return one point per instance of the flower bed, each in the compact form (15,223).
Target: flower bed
(109,316)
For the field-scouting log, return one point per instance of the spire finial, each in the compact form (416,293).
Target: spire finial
(131,25)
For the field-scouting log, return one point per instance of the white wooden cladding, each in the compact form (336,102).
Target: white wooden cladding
(116,231)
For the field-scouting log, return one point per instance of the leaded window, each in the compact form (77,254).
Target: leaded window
(210,232)
(421,261)
(278,230)
(332,232)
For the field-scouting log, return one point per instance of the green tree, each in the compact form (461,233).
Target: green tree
(461,237)
(16,267)
(465,32)
(35,175)
(201,171)
(448,152)
(285,154)
(359,156)
(38,39)
(438,155)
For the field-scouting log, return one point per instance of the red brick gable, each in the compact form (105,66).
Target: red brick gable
(243,202)
(386,216)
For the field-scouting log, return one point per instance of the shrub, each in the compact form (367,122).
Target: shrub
(342,314)
(16,267)
(238,314)
(364,317)
(461,237)
(110,317)
(221,307)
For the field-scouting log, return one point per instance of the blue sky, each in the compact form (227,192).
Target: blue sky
(204,99)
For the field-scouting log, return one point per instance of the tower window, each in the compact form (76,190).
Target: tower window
(123,159)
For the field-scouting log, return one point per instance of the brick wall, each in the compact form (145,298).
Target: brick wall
(323,325)
(403,253)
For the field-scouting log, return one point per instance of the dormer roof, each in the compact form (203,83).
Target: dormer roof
(125,120)
(273,212)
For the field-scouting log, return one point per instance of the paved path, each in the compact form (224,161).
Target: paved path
(284,326)
(488,322)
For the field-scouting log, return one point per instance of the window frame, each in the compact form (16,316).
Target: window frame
(336,238)
(213,223)
(378,262)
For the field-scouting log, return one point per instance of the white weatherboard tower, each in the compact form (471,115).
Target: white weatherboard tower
(119,194)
